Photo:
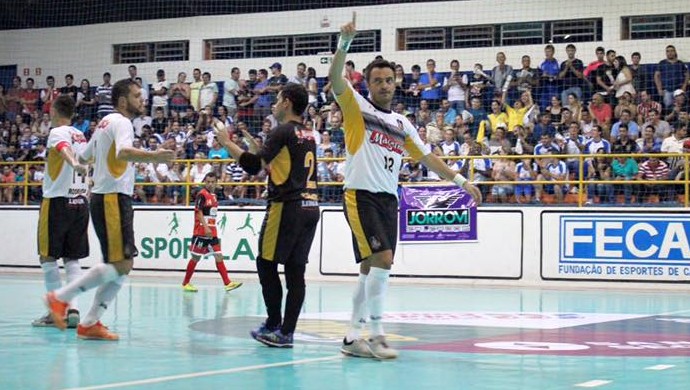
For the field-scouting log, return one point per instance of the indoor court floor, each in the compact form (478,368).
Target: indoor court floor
(451,337)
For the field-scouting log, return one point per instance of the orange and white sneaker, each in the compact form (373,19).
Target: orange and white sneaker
(96,331)
(57,310)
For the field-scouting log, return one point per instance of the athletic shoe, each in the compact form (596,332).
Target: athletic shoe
(57,309)
(72,318)
(263,330)
(96,331)
(356,348)
(189,288)
(380,348)
(44,322)
(276,339)
(232,285)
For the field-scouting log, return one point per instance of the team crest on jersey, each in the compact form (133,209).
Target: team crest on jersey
(78,138)
(386,141)
(401,127)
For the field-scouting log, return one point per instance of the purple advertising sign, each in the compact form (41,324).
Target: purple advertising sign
(437,214)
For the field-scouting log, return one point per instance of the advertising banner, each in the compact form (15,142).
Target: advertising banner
(620,246)
(437,214)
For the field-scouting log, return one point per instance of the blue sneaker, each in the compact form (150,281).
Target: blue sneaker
(276,339)
(262,330)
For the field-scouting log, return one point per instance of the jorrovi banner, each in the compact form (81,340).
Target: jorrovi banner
(437,214)
(163,238)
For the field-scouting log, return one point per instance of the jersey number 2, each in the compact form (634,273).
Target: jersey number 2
(310,163)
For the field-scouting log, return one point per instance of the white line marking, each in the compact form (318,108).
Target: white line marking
(207,373)
(660,367)
(593,383)
(673,313)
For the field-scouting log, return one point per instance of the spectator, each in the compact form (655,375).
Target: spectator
(626,120)
(661,128)
(208,93)
(575,107)
(570,75)
(13,99)
(455,85)
(479,82)
(671,74)
(104,97)
(680,105)
(549,74)
(49,94)
(144,92)
(606,76)
(196,147)
(423,114)
(70,89)
(645,106)
(648,143)
(525,79)
(501,75)
(625,102)
(301,77)
(430,85)
(503,170)
(601,111)
(624,169)
(353,76)
(276,82)
(29,99)
(327,173)
(326,144)
(8,177)
(573,144)
(624,79)
(599,169)
(86,101)
(597,142)
(624,143)
(159,90)
(552,169)
(412,92)
(640,76)
(649,172)
(526,171)
(591,69)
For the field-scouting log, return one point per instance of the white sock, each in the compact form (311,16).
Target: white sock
(94,277)
(105,294)
(376,286)
(359,310)
(51,275)
(73,271)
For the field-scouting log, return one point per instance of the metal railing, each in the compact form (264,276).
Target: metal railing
(24,187)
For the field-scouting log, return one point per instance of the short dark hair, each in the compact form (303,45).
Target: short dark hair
(637,53)
(30,79)
(600,49)
(416,67)
(350,63)
(377,64)
(549,47)
(106,74)
(132,67)
(571,46)
(610,51)
(69,75)
(234,69)
(297,95)
(206,74)
(64,106)
(122,88)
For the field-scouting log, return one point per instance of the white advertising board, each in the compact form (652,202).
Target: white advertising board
(497,254)
(615,246)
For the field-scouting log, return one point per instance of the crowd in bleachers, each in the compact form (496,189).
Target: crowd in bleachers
(569,107)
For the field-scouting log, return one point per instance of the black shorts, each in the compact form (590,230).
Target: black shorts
(287,231)
(112,216)
(205,245)
(63,225)
(373,220)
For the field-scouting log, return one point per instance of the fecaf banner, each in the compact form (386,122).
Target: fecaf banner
(437,214)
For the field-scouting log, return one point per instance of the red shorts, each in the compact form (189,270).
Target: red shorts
(205,245)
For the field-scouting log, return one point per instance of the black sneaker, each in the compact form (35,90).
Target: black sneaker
(73,318)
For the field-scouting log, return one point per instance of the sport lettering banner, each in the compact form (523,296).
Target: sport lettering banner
(437,214)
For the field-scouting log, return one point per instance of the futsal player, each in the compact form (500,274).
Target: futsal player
(64,217)
(375,140)
(205,239)
(292,214)
(111,211)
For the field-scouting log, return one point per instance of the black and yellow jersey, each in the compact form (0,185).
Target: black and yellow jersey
(290,157)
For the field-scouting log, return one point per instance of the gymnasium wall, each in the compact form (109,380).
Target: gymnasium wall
(87,51)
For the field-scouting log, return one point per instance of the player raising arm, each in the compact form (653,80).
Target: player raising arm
(375,141)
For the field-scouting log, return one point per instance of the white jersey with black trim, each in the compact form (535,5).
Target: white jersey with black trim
(375,141)
(111,175)
(61,180)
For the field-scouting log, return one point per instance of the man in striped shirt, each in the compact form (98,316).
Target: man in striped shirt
(650,171)
(104,97)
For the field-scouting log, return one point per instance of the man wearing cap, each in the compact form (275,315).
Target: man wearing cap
(671,74)
(680,105)
(276,82)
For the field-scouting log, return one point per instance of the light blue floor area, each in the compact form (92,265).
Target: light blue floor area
(450,338)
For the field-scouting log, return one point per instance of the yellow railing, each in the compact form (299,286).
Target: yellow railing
(25,186)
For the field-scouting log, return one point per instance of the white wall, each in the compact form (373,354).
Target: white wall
(86,51)
(520,246)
